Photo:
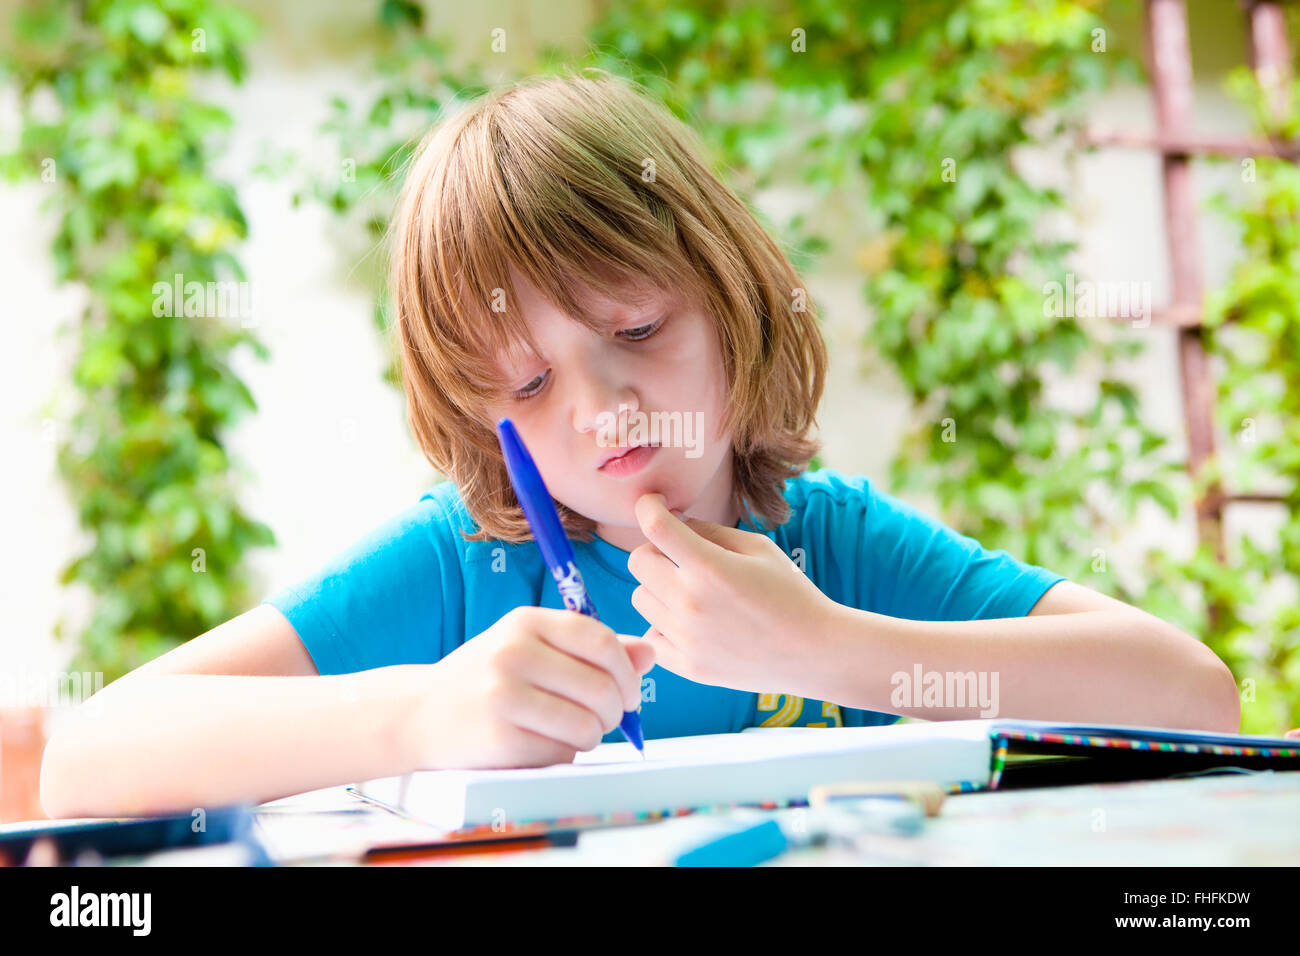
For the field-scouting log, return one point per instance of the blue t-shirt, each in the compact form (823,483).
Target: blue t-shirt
(414,590)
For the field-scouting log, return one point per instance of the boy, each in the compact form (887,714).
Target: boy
(562,256)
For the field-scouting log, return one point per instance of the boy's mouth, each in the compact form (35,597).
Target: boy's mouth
(628,461)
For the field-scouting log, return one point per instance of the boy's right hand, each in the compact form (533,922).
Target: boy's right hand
(533,689)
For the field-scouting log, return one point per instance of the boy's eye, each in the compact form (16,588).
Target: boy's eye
(638,334)
(642,332)
(533,387)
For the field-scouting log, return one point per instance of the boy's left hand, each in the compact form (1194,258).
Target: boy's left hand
(725,606)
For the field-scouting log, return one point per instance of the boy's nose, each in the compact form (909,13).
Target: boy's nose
(600,405)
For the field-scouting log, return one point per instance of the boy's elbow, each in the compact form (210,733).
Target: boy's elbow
(1231,700)
(1218,705)
(1205,692)
(67,787)
(57,791)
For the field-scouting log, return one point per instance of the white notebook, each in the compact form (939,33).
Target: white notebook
(752,766)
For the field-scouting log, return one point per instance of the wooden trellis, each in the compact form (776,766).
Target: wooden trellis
(1169,63)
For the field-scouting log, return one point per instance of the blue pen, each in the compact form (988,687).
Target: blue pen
(556,550)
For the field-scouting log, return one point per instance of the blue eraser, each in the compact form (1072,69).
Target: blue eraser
(746,847)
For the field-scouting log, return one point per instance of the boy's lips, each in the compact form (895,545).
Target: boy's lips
(627,458)
(618,452)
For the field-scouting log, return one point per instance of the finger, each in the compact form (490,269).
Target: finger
(588,639)
(652,568)
(733,539)
(539,751)
(557,718)
(667,655)
(670,534)
(550,669)
(641,653)
(656,613)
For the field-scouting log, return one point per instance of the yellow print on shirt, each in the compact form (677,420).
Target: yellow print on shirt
(788,707)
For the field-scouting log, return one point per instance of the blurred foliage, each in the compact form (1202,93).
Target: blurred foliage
(376,134)
(112,128)
(1255,335)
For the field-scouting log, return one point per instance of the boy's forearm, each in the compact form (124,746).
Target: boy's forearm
(1092,666)
(175,742)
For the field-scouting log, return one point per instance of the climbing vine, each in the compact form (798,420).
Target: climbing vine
(1255,336)
(112,128)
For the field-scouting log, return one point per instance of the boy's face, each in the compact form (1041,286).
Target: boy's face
(654,376)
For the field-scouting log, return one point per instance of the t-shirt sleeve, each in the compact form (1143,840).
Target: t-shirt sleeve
(918,568)
(394,597)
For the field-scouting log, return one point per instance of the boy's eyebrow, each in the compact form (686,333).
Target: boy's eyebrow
(609,320)
(636,304)
(506,364)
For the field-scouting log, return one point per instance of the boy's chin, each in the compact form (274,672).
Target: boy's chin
(623,514)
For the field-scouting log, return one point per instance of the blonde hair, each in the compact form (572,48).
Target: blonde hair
(579,181)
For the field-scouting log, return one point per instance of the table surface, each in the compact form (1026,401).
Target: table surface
(1214,820)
